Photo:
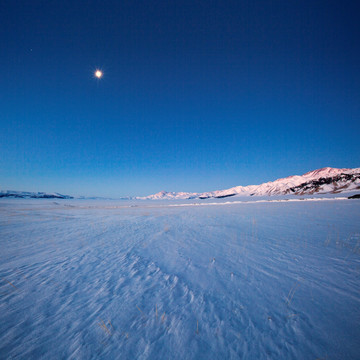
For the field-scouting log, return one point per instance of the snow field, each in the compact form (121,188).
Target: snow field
(251,281)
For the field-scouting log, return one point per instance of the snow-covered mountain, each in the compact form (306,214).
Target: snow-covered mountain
(32,195)
(321,181)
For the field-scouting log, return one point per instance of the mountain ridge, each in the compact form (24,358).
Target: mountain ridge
(325,180)
(32,195)
(333,180)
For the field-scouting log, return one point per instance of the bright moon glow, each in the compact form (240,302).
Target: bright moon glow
(98,74)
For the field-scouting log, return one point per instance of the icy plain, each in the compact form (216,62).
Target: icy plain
(146,280)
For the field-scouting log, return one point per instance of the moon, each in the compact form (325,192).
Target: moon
(98,74)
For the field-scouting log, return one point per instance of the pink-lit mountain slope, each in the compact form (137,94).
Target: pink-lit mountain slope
(322,181)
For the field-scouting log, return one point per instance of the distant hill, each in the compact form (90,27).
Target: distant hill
(32,195)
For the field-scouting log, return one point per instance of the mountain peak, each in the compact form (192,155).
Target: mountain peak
(326,171)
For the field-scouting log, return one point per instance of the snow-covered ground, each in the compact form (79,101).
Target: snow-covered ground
(144,280)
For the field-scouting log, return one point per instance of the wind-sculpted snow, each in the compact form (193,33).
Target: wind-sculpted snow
(97,280)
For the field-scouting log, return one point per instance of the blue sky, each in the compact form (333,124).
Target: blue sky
(196,95)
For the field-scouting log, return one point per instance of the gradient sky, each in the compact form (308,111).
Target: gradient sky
(196,95)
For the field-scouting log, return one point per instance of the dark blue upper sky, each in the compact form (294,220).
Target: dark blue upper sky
(196,95)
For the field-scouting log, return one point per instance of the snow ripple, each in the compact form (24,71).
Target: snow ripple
(268,282)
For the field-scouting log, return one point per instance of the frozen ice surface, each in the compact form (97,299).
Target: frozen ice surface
(144,280)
